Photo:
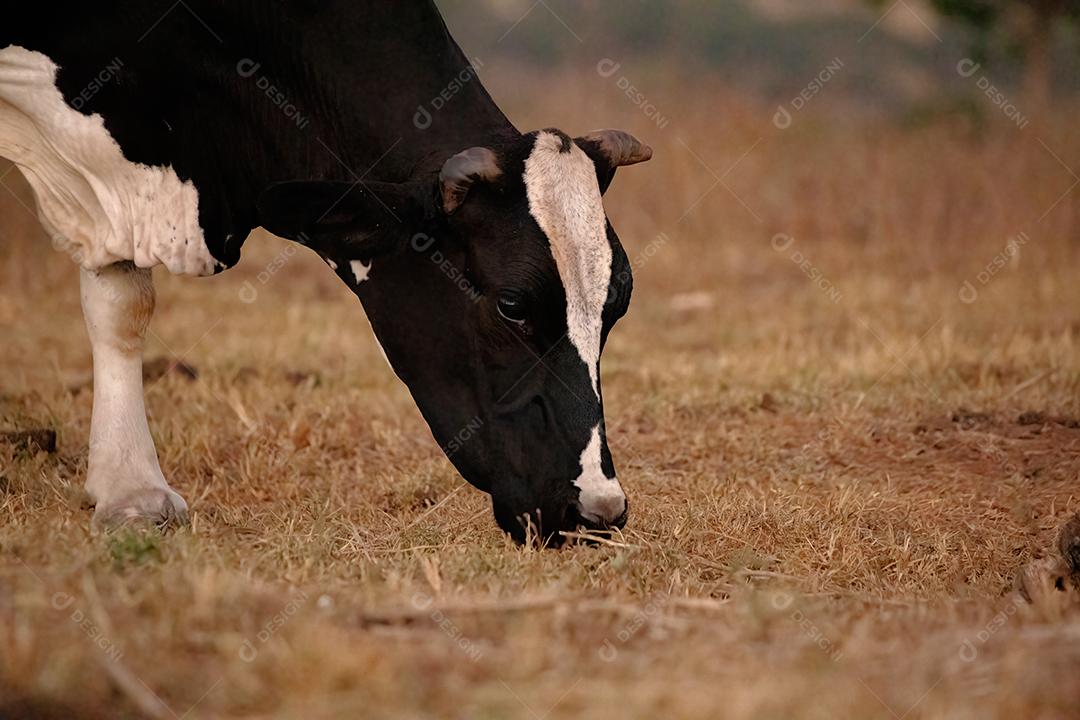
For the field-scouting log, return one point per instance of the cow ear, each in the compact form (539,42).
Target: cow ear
(329,215)
(611,149)
(462,171)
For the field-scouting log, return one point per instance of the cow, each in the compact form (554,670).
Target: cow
(160,132)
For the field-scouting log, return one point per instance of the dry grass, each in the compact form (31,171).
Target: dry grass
(830,498)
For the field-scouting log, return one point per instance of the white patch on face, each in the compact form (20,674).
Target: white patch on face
(360,271)
(600,498)
(564,198)
(98,207)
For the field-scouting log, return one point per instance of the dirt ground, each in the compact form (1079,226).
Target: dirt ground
(845,406)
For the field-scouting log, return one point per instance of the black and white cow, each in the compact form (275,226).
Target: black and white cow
(162,133)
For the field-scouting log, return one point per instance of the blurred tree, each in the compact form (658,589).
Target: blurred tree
(1024,27)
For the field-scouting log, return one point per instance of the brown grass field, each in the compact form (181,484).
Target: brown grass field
(836,465)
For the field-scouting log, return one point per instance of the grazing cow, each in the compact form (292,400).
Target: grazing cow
(162,133)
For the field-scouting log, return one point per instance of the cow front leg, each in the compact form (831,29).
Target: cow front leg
(123,478)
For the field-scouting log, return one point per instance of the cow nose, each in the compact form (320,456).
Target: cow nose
(603,503)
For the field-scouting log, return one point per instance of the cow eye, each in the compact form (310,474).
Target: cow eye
(512,309)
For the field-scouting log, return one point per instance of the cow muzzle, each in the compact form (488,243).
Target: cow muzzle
(601,504)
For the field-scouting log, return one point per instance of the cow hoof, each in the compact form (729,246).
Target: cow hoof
(156,507)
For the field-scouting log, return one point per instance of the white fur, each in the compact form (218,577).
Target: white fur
(98,207)
(600,498)
(360,271)
(123,476)
(564,198)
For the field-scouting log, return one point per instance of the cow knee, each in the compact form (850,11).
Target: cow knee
(118,302)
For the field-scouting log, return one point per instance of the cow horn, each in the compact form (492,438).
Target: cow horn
(619,147)
(460,172)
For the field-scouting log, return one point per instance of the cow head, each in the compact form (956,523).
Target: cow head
(492,285)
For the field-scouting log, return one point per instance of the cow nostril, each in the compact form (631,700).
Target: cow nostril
(620,522)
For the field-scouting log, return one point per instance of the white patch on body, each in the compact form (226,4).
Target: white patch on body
(564,198)
(360,271)
(98,207)
(600,498)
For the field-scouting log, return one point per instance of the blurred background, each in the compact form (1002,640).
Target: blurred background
(899,57)
(850,375)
